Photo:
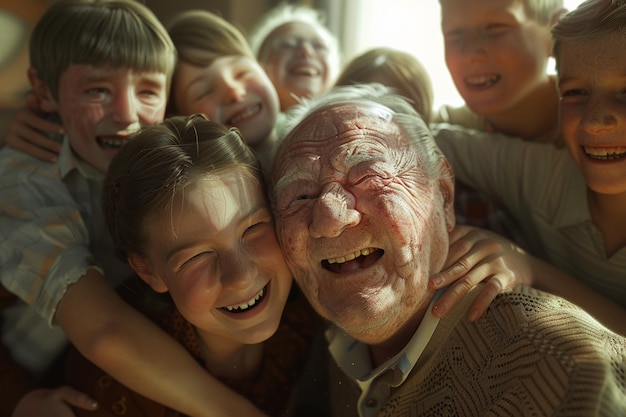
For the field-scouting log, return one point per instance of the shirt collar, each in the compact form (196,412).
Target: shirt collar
(68,161)
(353,358)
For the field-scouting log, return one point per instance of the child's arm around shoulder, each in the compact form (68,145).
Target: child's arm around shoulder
(29,131)
(133,350)
(478,255)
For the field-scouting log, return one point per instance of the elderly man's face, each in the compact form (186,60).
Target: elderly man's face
(360,223)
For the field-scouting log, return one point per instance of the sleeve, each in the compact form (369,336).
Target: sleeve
(44,242)
(506,168)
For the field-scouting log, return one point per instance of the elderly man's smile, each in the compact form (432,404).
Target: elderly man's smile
(363,258)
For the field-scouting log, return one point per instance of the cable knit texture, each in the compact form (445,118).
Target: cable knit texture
(531,354)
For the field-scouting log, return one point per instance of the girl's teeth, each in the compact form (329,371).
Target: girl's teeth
(248,304)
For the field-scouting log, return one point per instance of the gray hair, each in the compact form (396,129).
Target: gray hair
(401,109)
(291,13)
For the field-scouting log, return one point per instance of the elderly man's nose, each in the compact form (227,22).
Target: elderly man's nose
(333,212)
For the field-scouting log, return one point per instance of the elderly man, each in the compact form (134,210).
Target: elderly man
(363,203)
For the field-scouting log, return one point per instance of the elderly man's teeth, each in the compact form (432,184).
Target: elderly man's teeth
(242,307)
(605,153)
(351,256)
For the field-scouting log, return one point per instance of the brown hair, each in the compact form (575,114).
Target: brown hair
(158,165)
(201,37)
(116,33)
(407,74)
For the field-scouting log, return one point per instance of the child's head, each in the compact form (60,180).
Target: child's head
(497,51)
(393,68)
(185,204)
(588,45)
(217,75)
(104,66)
(298,52)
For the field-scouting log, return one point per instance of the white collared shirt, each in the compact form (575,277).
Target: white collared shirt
(353,357)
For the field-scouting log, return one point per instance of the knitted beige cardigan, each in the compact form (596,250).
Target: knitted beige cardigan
(531,354)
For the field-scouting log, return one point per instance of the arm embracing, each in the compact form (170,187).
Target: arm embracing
(133,350)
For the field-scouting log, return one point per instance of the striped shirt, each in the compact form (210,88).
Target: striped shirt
(546,194)
(51,232)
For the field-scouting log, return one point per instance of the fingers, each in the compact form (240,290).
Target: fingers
(493,286)
(28,132)
(76,398)
(56,402)
(488,293)
(476,256)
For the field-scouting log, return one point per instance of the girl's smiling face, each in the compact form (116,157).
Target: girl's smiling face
(215,251)
(233,90)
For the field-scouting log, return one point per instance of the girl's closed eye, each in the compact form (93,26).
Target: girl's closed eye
(197,257)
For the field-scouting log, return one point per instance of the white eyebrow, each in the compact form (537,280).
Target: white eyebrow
(291,177)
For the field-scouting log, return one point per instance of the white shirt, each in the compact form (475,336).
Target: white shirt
(353,357)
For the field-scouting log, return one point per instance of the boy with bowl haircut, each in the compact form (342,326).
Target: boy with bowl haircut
(104,67)
(497,54)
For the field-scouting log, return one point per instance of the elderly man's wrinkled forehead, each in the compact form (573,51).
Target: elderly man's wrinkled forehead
(339,118)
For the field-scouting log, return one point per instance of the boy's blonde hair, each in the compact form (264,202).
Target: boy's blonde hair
(592,18)
(543,11)
(409,75)
(114,33)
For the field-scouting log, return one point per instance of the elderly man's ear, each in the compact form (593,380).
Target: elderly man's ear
(446,186)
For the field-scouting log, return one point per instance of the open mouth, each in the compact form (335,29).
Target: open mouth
(246,113)
(113,142)
(605,154)
(360,259)
(248,305)
(304,71)
(482,81)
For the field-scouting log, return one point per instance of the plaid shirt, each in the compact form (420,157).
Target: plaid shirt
(51,232)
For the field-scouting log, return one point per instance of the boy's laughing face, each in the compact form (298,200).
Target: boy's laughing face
(495,53)
(101,107)
(592,85)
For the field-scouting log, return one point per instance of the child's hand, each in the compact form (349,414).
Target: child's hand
(478,255)
(56,402)
(25,129)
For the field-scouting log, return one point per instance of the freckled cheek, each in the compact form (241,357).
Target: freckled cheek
(196,297)
(293,244)
(83,116)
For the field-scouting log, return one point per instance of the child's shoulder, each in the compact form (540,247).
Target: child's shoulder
(461,116)
(15,164)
